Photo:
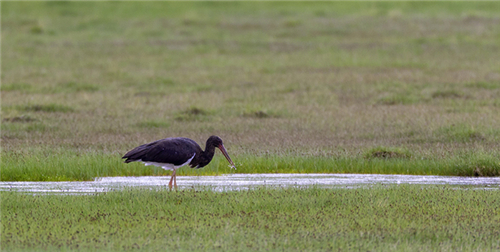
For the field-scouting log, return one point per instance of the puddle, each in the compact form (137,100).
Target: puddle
(248,181)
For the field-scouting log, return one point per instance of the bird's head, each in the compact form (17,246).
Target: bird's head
(217,142)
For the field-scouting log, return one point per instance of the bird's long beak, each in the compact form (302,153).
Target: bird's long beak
(223,150)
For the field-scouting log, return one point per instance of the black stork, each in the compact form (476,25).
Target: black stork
(172,153)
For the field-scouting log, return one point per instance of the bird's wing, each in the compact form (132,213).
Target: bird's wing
(172,152)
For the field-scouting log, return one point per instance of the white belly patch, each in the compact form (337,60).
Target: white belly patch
(167,166)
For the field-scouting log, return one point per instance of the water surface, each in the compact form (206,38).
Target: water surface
(248,181)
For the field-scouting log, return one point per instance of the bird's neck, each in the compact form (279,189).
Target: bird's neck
(207,155)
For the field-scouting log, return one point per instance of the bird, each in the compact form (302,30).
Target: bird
(174,152)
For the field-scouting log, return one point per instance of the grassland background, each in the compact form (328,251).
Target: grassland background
(322,82)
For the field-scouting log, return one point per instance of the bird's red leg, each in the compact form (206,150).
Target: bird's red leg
(175,182)
(171,179)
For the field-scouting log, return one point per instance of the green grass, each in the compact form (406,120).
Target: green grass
(153,124)
(379,218)
(319,84)
(68,165)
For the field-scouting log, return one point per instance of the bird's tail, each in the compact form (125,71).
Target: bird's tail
(136,154)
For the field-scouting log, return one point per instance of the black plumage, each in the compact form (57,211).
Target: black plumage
(172,153)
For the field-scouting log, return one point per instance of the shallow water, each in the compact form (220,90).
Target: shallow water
(246,181)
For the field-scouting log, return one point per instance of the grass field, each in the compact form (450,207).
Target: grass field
(324,85)
(381,218)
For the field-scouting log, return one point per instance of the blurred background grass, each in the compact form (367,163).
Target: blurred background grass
(318,80)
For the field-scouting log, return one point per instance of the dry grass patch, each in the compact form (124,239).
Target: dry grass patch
(52,107)
(387,153)
(20,119)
